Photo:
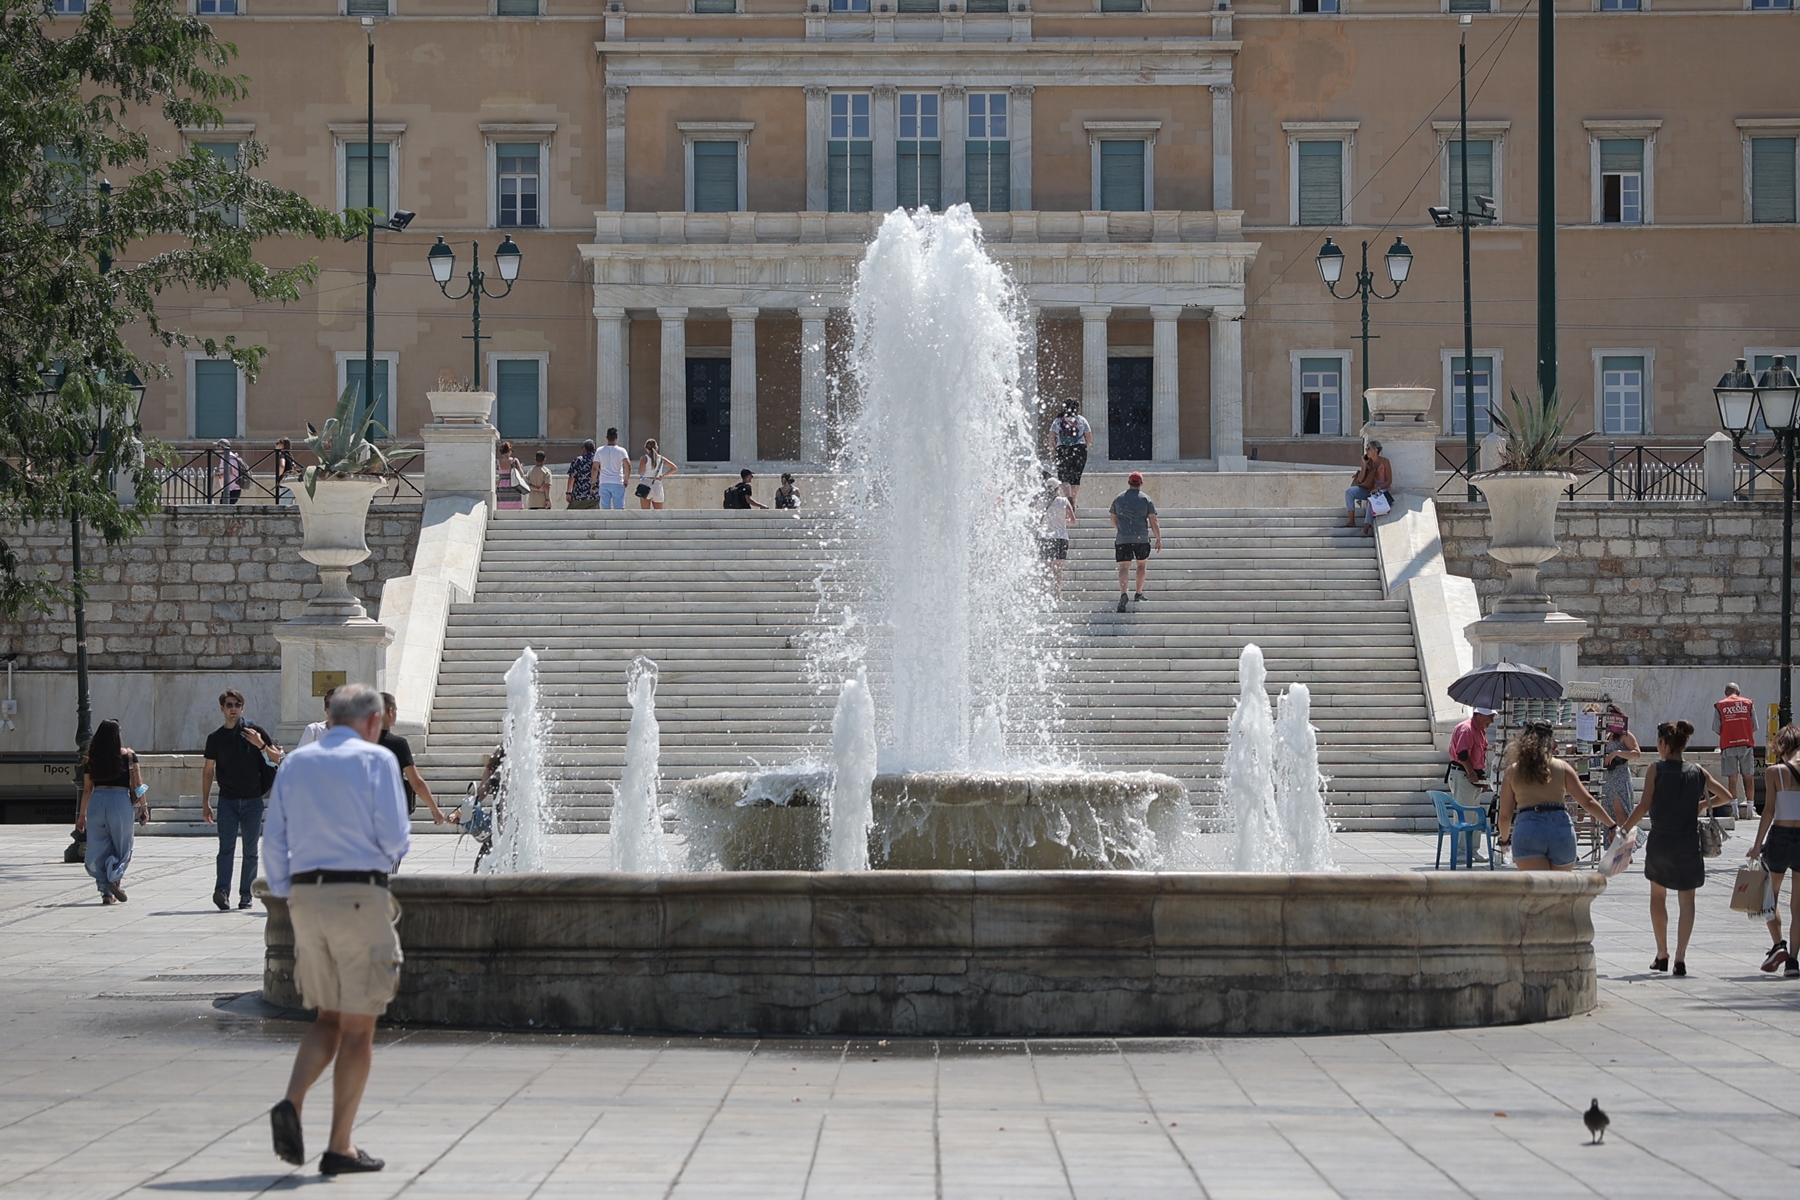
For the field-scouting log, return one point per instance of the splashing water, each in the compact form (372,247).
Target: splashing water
(853,753)
(520,845)
(637,835)
(938,590)
(1300,789)
(1249,776)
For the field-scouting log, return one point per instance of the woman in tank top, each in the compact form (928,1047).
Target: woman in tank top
(653,468)
(1615,784)
(1534,818)
(1675,794)
(109,784)
(1778,845)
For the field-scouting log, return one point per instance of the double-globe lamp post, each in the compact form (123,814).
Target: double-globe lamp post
(1776,395)
(443,263)
(1331,269)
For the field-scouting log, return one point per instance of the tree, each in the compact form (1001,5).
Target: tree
(75,96)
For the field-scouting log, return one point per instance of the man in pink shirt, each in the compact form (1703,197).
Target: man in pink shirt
(1468,757)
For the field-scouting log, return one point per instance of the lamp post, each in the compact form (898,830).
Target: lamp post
(1776,395)
(368,402)
(1330,262)
(443,262)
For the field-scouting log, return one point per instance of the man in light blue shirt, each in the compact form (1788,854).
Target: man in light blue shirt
(337,828)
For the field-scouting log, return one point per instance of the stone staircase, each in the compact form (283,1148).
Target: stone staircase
(721,601)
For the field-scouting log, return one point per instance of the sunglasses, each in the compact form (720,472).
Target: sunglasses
(231,704)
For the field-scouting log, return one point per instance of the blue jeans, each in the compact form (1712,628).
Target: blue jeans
(1352,494)
(110,834)
(612,495)
(238,818)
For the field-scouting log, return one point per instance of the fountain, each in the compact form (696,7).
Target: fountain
(954,869)
(519,842)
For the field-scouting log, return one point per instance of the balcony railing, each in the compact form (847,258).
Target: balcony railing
(1636,473)
(199,477)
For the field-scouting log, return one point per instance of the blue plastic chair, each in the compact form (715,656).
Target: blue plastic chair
(1454,819)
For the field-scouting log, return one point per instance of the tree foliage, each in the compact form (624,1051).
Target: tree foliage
(106,210)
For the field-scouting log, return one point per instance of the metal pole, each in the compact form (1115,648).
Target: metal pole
(475,282)
(1365,283)
(368,397)
(1462,78)
(84,715)
(1787,579)
(1546,332)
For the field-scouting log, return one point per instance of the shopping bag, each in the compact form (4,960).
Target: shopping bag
(1379,504)
(1753,892)
(1618,855)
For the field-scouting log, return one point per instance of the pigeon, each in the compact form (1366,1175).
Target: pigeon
(1596,1122)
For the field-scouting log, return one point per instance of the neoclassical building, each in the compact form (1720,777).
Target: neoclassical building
(691,183)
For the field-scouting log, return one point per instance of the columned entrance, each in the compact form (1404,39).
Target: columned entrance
(709,409)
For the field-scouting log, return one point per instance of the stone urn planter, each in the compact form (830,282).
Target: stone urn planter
(461,408)
(1522,517)
(334,521)
(1399,405)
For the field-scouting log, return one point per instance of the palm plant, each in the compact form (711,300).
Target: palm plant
(1534,433)
(343,447)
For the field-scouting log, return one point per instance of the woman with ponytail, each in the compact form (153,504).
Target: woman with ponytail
(1778,846)
(1534,817)
(1675,796)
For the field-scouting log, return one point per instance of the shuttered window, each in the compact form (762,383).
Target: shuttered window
(356,176)
(520,181)
(1321,170)
(715,6)
(715,177)
(917,6)
(918,152)
(1772,181)
(1622,181)
(1122,176)
(986,6)
(366,8)
(1322,396)
(216,8)
(1481,173)
(516,395)
(1484,394)
(354,377)
(1471,6)
(1121,5)
(215,398)
(226,152)
(516,8)
(850,154)
(1622,394)
(988,152)
(849,6)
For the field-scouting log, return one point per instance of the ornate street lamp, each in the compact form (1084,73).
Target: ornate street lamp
(1775,394)
(443,263)
(1330,261)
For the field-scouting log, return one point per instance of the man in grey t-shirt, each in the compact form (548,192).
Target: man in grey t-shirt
(1134,524)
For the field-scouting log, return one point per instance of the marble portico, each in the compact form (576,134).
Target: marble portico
(1164,267)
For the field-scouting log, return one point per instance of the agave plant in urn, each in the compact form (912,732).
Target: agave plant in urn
(334,500)
(1523,492)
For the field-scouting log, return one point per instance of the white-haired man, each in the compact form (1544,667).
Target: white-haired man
(337,828)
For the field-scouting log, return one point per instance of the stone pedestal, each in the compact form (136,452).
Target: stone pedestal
(1525,625)
(460,444)
(1398,420)
(1549,641)
(1716,468)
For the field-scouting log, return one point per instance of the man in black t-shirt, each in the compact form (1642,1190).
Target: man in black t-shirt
(410,779)
(241,756)
(738,495)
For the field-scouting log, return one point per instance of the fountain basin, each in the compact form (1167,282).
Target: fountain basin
(1044,820)
(962,953)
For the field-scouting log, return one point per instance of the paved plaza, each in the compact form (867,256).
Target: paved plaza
(135,1064)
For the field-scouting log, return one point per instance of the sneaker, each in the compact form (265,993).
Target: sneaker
(1792,970)
(1778,954)
(244,902)
(1123,601)
(220,899)
(107,898)
(1140,597)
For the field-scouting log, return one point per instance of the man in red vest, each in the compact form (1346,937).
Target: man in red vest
(1734,720)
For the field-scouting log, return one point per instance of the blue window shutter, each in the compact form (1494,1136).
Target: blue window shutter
(516,397)
(353,377)
(215,398)
(1122,176)
(715,176)
(1772,179)
(1322,182)
(989,167)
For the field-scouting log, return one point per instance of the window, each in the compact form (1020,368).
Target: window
(1481,173)
(355,374)
(1318,6)
(1322,396)
(228,153)
(1122,176)
(1622,181)
(1771,4)
(366,8)
(918,152)
(215,401)
(357,165)
(1121,5)
(850,154)
(72,8)
(524,8)
(518,396)
(1470,6)
(64,180)
(1484,394)
(985,6)
(518,166)
(916,6)
(988,153)
(1320,169)
(216,8)
(1619,5)
(716,176)
(849,6)
(715,6)
(1622,379)
(1772,179)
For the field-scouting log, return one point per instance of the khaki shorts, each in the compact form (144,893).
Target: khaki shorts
(1737,760)
(346,947)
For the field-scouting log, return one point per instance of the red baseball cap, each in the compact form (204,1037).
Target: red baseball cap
(1135,479)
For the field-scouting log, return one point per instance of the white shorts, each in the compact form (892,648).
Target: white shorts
(656,492)
(346,947)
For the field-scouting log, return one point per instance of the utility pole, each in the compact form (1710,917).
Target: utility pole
(1462,81)
(368,398)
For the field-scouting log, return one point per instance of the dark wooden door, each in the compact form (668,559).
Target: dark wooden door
(1128,408)
(709,409)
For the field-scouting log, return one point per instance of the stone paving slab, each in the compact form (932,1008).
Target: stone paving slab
(129,1067)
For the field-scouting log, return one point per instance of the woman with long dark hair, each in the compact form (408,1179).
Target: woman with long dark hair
(653,468)
(1675,795)
(1778,846)
(109,785)
(1534,815)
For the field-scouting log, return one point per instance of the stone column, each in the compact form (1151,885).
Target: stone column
(612,394)
(743,384)
(1165,385)
(955,119)
(615,148)
(1093,375)
(671,425)
(813,449)
(1221,146)
(1228,389)
(883,120)
(1019,126)
(1028,351)
(818,127)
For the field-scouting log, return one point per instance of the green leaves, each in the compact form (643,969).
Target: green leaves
(1534,433)
(343,447)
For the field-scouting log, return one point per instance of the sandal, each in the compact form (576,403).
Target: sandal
(1680,967)
(1661,964)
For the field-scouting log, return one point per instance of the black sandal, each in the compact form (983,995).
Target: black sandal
(1661,964)
(1680,967)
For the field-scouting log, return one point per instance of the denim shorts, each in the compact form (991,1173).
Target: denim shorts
(1548,835)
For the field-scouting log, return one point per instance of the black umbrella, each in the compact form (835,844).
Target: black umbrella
(1492,685)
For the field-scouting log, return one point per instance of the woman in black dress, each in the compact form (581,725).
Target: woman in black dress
(1675,795)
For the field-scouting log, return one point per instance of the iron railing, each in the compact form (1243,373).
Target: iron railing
(1621,472)
(201,477)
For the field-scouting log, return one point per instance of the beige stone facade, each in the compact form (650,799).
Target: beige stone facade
(682,169)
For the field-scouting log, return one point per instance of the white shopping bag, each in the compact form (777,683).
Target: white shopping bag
(1618,855)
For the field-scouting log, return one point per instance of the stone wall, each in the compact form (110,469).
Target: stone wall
(1672,583)
(201,587)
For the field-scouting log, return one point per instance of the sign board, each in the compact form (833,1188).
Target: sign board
(324,681)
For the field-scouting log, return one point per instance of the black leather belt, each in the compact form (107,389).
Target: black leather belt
(1534,808)
(374,877)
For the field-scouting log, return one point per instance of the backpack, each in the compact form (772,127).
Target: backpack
(736,496)
(267,772)
(1068,429)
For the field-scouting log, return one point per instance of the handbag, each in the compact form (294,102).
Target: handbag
(1753,892)
(642,490)
(1712,838)
(1380,505)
